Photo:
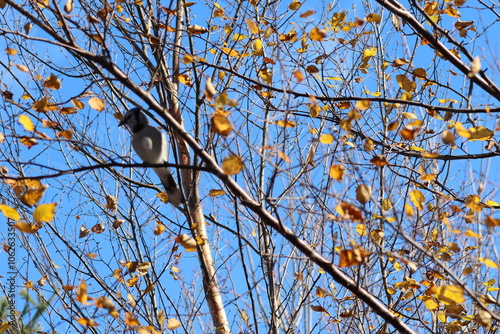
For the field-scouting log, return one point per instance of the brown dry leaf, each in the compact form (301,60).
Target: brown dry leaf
(185,80)
(66,134)
(32,195)
(352,257)
(98,228)
(448,138)
(22,68)
(131,320)
(43,105)
(232,164)
(68,111)
(52,82)
(87,322)
(312,69)
(83,232)
(350,212)
(111,203)
(379,160)
(196,30)
(221,125)
(363,193)
(317,34)
(294,5)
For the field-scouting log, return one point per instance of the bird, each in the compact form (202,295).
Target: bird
(150,144)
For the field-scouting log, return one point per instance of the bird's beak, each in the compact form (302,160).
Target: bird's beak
(122,122)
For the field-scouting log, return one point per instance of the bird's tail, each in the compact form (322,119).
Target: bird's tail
(171,188)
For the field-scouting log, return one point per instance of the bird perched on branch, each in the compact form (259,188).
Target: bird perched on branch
(151,146)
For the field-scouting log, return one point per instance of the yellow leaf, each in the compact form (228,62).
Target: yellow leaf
(26,122)
(44,213)
(430,303)
(417,198)
(96,104)
(266,75)
(185,80)
(9,212)
(326,139)
(173,323)
(361,229)
(230,52)
(470,233)
(386,204)
(221,125)
(461,130)
(370,52)
(78,104)
(232,164)
(450,294)
(488,262)
(363,104)
(317,34)
(480,133)
(337,172)
(286,124)
(216,192)
(4,326)
(258,49)
(252,26)
(26,228)
(11,52)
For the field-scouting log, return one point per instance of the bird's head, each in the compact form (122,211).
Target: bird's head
(135,119)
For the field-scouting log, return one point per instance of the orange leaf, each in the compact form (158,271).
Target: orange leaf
(352,257)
